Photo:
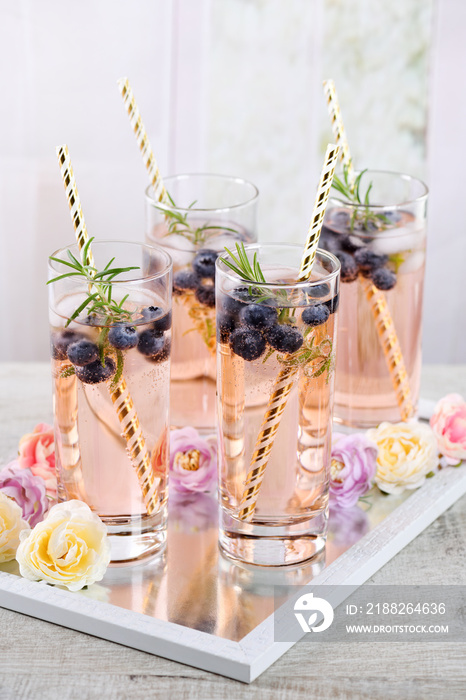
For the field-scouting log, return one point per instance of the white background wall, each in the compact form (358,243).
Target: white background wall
(231,86)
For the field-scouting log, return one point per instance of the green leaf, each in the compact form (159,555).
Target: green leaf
(80,308)
(67,372)
(109,263)
(114,271)
(119,370)
(85,251)
(65,262)
(75,260)
(67,274)
(366,198)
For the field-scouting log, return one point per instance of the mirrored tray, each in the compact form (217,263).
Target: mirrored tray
(194,606)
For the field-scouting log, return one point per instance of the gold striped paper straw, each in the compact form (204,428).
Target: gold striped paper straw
(136,445)
(390,346)
(338,127)
(277,403)
(74,202)
(377,301)
(285,379)
(120,395)
(160,193)
(315,227)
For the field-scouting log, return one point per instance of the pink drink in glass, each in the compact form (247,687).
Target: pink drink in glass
(295,326)
(223,211)
(382,244)
(93,455)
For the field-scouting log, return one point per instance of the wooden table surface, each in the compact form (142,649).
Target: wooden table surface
(41,661)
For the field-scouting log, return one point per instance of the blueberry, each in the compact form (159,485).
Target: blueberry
(150,342)
(367,261)
(349,269)
(366,227)
(247,343)
(204,263)
(162,321)
(95,372)
(383,278)
(284,338)
(91,320)
(351,243)
(61,341)
(317,291)
(329,240)
(234,303)
(392,216)
(316,314)
(332,304)
(340,219)
(225,325)
(82,352)
(258,316)
(185,280)
(123,337)
(150,313)
(162,354)
(205,294)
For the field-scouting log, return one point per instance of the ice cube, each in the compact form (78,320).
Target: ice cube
(412,262)
(397,240)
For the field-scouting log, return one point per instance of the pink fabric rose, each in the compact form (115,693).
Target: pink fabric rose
(192,512)
(193,461)
(449,426)
(27,490)
(37,453)
(346,526)
(353,468)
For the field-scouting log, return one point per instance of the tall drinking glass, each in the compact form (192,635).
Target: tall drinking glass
(275,358)
(209,213)
(110,369)
(381,245)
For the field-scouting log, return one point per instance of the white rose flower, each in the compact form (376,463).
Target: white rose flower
(407,453)
(69,548)
(11,526)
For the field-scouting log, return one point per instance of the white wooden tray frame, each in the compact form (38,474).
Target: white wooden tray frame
(248,658)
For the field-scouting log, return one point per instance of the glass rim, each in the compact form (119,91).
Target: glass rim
(378,207)
(185,176)
(321,253)
(52,264)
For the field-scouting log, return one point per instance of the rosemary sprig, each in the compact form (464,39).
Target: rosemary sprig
(178,224)
(314,359)
(99,300)
(252,272)
(352,192)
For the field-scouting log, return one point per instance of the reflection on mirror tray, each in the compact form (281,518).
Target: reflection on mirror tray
(192,585)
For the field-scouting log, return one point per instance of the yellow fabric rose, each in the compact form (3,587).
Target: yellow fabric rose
(11,526)
(69,548)
(407,452)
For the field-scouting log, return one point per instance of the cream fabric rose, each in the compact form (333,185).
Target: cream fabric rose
(69,548)
(11,526)
(407,453)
